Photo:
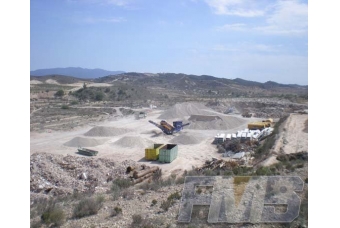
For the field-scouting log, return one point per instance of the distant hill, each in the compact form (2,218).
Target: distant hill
(75,72)
(194,84)
(61,79)
(186,80)
(161,84)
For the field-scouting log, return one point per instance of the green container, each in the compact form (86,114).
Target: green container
(151,154)
(168,153)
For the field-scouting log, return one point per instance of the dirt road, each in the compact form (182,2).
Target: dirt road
(292,139)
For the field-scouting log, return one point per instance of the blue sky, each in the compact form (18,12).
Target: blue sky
(258,40)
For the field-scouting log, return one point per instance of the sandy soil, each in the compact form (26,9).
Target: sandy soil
(292,139)
(51,81)
(189,155)
(80,85)
(35,82)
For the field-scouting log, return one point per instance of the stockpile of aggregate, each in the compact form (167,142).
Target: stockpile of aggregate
(133,141)
(216,123)
(102,131)
(187,139)
(179,111)
(84,142)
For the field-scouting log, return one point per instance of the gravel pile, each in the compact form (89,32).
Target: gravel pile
(179,111)
(221,123)
(187,139)
(102,131)
(133,141)
(84,142)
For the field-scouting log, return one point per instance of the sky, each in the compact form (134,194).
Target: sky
(262,40)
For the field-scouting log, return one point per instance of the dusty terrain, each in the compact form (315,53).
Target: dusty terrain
(59,125)
(133,137)
(292,139)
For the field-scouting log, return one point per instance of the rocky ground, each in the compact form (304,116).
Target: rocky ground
(141,205)
(69,179)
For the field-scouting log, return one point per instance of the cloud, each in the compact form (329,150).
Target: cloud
(242,8)
(246,47)
(264,48)
(92,20)
(285,17)
(289,17)
(235,27)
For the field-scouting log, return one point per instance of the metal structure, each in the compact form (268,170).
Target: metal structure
(168,128)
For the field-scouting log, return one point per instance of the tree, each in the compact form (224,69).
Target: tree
(59,93)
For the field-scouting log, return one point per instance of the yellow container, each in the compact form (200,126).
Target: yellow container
(258,125)
(152,154)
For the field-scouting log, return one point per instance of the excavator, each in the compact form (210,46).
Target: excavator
(168,128)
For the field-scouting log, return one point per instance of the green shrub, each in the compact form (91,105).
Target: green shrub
(87,207)
(209,172)
(122,183)
(154,202)
(180,180)
(299,166)
(59,93)
(136,220)
(65,107)
(165,205)
(116,211)
(118,186)
(263,171)
(289,166)
(53,215)
(175,195)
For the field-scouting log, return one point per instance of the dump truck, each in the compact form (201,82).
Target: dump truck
(87,152)
(168,128)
